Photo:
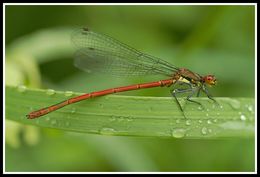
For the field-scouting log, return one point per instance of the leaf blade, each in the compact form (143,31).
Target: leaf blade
(134,115)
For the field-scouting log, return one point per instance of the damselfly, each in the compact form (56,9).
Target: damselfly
(102,54)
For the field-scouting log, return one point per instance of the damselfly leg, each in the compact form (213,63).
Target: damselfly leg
(205,90)
(191,89)
(198,93)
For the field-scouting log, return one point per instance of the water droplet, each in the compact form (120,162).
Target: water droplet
(73,110)
(113,118)
(200,108)
(207,109)
(68,93)
(215,120)
(239,113)
(53,122)
(200,121)
(178,121)
(121,118)
(250,108)
(221,107)
(207,115)
(21,88)
(218,113)
(50,92)
(47,119)
(209,130)
(130,119)
(204,130)
(209,122)
(178,133)
(188,122)
(243,117)
(107,131)
(234,103)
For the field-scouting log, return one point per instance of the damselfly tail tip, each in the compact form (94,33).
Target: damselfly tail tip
(30,116)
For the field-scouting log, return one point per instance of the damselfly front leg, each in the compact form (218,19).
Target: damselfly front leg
(191,89)
(205,90)
(176,91)
(189,96)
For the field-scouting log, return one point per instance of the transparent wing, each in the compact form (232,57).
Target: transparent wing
(103,54)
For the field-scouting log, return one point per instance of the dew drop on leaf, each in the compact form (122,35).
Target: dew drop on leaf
(178,133)
(73,110)
(112,118)
(107,131)
(21,88)
(47,119)
(68,93)
(200,108)
(188,122)
(243,117)
(178,121)
(204,130)
(50,92)
(250,108)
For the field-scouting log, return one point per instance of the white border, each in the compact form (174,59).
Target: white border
(3,89)
(255,87)
(163,4)
(124,4)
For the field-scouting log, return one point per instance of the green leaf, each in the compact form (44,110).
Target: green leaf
(134,115)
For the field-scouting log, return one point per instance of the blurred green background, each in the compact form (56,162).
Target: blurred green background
(215,40)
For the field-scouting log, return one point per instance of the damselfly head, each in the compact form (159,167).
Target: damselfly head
(210,80)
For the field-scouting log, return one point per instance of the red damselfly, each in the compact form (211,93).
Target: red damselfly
(103,54)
